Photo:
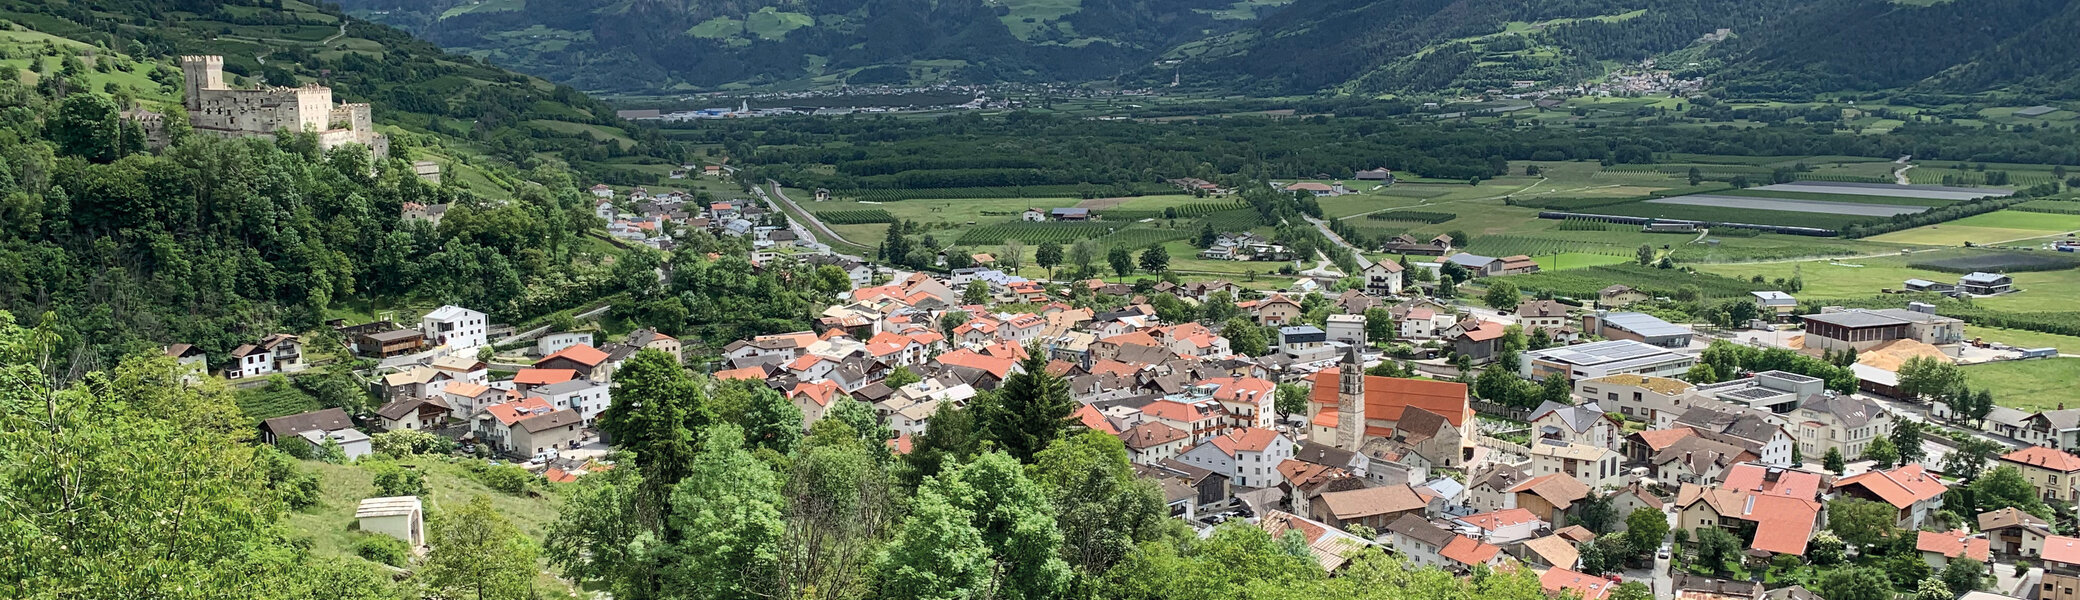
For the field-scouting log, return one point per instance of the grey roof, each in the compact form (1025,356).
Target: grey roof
(1300,330)
(1644,324)
(330,419)
(565,387)
(1578,418)
(1921,283)
(1614,354)
(2062,419)
(1851,411)
(1470,260)
(2006,416)
(1775,298)
(1855,319)
(554,419)
(397,409)
(1325,455)
(1416,527)
(1982,277)
(1071,211)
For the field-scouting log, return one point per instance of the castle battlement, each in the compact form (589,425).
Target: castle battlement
(218,109)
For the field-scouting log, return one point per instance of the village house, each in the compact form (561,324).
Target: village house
(455,327)
(1373,507)
(586,397)
(555,342)
(418,414)
(1579,424)
(1911,489)
(1938,548)
(1248,457)
(1775,306)
(1638,327)
(2014,533)
(528,428)
(1410,245)
(1775,523)
(1490,487)
(1383,278)
(1656,401)
(1153,442)
(1542,314)
(1553,498)
(2055,473)
(278,353)
(1617,296)
(1846,423)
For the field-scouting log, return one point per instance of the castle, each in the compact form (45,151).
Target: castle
(217,109)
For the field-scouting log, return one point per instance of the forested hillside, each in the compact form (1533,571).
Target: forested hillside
(650,46)
(116,249)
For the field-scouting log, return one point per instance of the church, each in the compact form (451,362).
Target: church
(1416,422)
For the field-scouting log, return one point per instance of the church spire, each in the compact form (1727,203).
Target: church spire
(1350,401)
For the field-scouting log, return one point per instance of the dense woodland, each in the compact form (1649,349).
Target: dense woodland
(1030,150)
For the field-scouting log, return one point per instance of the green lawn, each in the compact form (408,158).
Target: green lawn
(1990,228)
(2026,339)
(1865,277)
(2029,385)
(331,528)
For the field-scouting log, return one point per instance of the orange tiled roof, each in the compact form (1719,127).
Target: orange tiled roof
(1952,544)
(543,376)
(2044,458)
(580,353)
(1900,487)
(1387,397)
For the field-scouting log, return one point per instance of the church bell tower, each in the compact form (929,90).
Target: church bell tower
(1350,401)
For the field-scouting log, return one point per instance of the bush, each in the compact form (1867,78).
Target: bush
(383,549)
(407,442)
(393,480)
(506,478)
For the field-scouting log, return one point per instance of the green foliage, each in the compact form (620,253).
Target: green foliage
(1031,410)
(383,549)
(393,480)
(1102,509)
(474,552)
(1862,523)
(1245,338)
(1964,575)
(1034,233)
(855,217)
(1502,295)
(1855,583)
(1644,530)
(656,408)
(1412,216)
(726,517)
(1826,549)
(409,442)
(510,479)
(1717,550)
(1881,451)
(1833,461)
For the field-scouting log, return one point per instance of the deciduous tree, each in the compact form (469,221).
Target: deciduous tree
(474,553)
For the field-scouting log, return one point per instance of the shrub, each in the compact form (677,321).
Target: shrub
(407,442)
(393,480)
(506,478)
(383,549)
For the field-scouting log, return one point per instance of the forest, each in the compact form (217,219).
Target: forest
(1021,149)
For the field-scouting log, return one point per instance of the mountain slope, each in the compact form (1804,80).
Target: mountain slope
(647,46)
(1784,49)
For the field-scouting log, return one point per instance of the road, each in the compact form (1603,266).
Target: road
(823,234)
(1363,263)
(1899,175)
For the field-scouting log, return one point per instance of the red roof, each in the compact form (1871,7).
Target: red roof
(1239,388)
(2061,549)
(520,410)
(901,443)
(1090,417)
(1588,587)
(1900,487)
(1657,439)
(1387,397)
(804,363)
(2044,458)
(559,475)
(749,373)
(580,353)
(1000,367)
(1491,521)
(1751,477)
(543,376)
(1952,544)
(1469,551)
(1487,330)
(821,392)
(1244,439)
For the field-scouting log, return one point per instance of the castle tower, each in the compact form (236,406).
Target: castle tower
(1350,401)
(201,73)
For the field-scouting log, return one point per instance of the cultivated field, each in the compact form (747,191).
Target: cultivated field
(1792,205)
(1996,227)
(1858,278)
(2029,385)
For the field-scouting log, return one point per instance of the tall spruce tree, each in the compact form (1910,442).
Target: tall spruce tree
(1031,411)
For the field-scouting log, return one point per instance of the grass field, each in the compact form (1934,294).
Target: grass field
(275,399)
(1990,228)
(330,525)
(2026,339)
(2029,385)
(1864,277)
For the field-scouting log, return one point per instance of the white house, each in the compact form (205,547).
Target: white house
(1349,329)
(556,342)
(456,327)
(589,398)
(278,353)
(1247,456)
(1383,278)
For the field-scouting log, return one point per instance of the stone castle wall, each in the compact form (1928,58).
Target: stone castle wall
(216,109)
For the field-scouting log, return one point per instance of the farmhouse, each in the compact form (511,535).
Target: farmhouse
(1408,244)
(1380,174)
(1070,214)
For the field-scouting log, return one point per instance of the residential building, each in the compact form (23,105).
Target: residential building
(278,353)
(1775,306)
(1542,314)
(585,360)
(1551,497)
(1373,507)
(1751,430)
(1562,582)
(1247,401)
(1938,548)
(1419,540)
(1619,295)
(1490,487)
(1502,527)
(2014,533)
(1985,284)
(2055,473)
(1656,401)
(1573,424)
(324,420)
(1480,341)
(1911,489)
(1247,456)
(418,414)
(1348,330)
(1638,327)
(456,328)
(1597,466)
(587,397)
(1599,359)
(1383,278)
(1153,442)
(1846,423)
(555,342)
(1840,329)
(1331,547)
(1774,523)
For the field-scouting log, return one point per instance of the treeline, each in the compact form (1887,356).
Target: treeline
(803,152)
(1849,45)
